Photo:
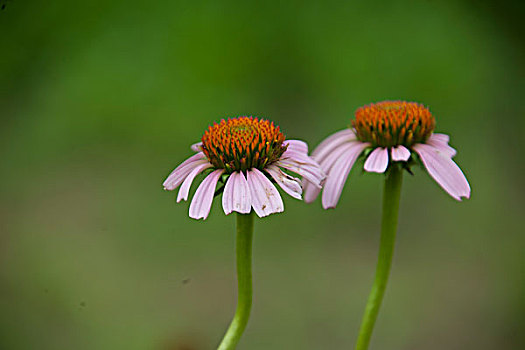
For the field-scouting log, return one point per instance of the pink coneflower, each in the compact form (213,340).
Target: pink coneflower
(387,132)
(392,135)
(245,154)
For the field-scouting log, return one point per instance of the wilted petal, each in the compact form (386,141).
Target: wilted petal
(266,199)
(236,196)
(443,169)
(400,153)
(185,188)
(339,173)
(289,184)
(201,203)
(179,174)
(377,161)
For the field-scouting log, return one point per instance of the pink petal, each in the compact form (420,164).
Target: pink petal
(297,145)
(266,199)
(236,196)
(289,184)
(443,169)
(196,147)
(339,173)
(310,192)
(185,188)
(400,153)
(440,138)
(201,203)
(377,161)
(179,174)
(333,141)
(298,157)
(310,171)
(440,141)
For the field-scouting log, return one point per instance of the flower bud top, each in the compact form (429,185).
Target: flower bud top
(243,143)
(393,123)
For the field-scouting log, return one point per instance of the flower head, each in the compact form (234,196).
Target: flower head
(245,155)
(387,132)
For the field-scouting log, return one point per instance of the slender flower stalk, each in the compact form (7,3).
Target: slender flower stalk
(391,195)
(244,282)
(243,158)
(392,136)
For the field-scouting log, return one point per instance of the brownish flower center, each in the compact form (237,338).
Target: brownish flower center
(393,123)
(243,143)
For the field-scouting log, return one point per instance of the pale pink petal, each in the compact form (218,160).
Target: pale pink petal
(310,171)
(266,199)
(242,199)
(333,141)
(444,138)
(179,174)
(289,184)
(400,153)
(440,141)
(201,203)
(196,147)
(296,145)
(310,191)
(185,188)
(236,196)
(227,194)
(339,173)
(377,161)
(443,169)
(298,157)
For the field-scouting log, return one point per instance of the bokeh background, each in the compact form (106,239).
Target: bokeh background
(100,100)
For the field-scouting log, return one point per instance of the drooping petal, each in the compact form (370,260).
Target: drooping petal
(242,199)
(201,203)
(289,184)
(400,153)
(297,145)
(310,192)
(185,188)
(444,138)
(339,173)
(333,141)
(266,199)
(298,157)
(377,161)
(443,169)
(440,141)
(236,196)
(179,174)
(196,147)
(227,194)
(310,171)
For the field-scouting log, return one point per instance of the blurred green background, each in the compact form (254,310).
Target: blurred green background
(100,100)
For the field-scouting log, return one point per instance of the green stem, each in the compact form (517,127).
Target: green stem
(392,191)
(244,281)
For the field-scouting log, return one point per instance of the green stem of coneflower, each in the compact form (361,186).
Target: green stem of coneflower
(244,282)
(391,195)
